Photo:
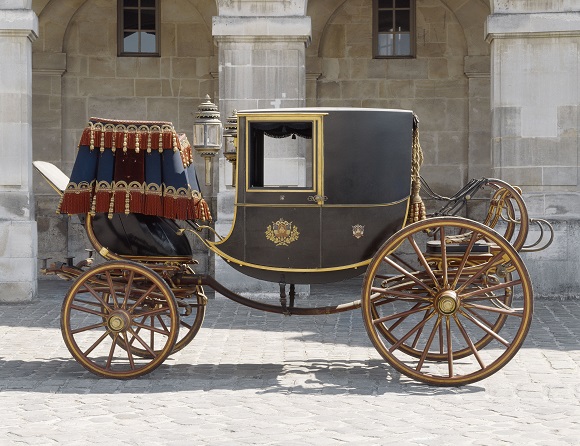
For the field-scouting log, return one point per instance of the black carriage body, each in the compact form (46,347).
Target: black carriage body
(138,235)
(352,191)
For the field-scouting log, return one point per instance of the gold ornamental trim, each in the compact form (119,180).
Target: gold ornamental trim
(282,232)
(358,231)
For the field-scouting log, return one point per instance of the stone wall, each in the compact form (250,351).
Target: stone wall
(535,96)
(434,85)
(18,248)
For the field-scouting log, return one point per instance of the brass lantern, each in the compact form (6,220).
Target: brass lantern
(231,142)
(207,134)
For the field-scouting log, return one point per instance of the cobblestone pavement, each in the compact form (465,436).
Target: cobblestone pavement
(258,378)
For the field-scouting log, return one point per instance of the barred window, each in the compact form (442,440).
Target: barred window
(138,28)
(393,28)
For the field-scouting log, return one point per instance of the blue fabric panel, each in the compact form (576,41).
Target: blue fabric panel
(106,166)
(85,167)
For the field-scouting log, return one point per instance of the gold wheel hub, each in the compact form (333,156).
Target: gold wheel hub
(447,302)
(118,321)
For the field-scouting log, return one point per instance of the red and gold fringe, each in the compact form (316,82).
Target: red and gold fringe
(102,200)
(136,201)
(153,204)
(119,197)
(168,206)
(76,202)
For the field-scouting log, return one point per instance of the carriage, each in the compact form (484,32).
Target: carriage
(321,195)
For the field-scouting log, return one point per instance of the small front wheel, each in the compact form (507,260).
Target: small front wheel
(441,290)
(104,320)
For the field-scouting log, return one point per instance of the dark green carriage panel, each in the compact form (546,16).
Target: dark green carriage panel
(367,156)
(284,237)
(329,229)
(353,234)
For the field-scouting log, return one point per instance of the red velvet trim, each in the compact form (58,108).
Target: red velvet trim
(76,202)
(119,204)
(102,201)
(168,203)
(153,204)
(136,201)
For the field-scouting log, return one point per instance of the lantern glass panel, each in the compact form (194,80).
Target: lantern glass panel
(213,135)
(199,135)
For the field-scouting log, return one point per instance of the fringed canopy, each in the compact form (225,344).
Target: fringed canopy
(134,167)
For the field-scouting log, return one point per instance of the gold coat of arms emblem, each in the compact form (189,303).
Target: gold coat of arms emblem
(282,232)
(358,231)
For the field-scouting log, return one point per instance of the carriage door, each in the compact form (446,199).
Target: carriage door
(283,187)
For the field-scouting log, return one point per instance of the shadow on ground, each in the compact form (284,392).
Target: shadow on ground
(315,376)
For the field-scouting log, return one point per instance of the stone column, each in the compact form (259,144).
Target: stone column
(535,67)
(261,65)
(476,69)
(18,235)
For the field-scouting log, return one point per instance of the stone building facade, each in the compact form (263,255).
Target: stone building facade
(495,84)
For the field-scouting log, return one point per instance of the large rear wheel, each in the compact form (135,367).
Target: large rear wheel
(440,291)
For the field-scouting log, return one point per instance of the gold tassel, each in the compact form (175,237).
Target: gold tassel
(417,210)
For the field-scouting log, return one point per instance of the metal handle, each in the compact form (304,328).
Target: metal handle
(320,199)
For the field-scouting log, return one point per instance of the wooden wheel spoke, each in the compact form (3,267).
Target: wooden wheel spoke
(486,329)
(96,296)
(129,353)
(144,296)
(483,268)
(401,319)
(151,328)
(97,342)
(423,261)
(401,261)
(398,315)
(384,300)
(420,331)
(512,312)
(407,274)
(112,289)
(185,324)
(469,341)
(142,342)
(162,322)
(418,326)
(128,289)
(490,289)
(153,312)
(137,330)
(449,346)
(463,262)
(401,296)
(88,327)
(87,310)
(112,351)
(443,256)
(152,333)
(88,302)
(479,317)
(436,327)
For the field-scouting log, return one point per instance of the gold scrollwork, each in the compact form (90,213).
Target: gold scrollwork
(282,233)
